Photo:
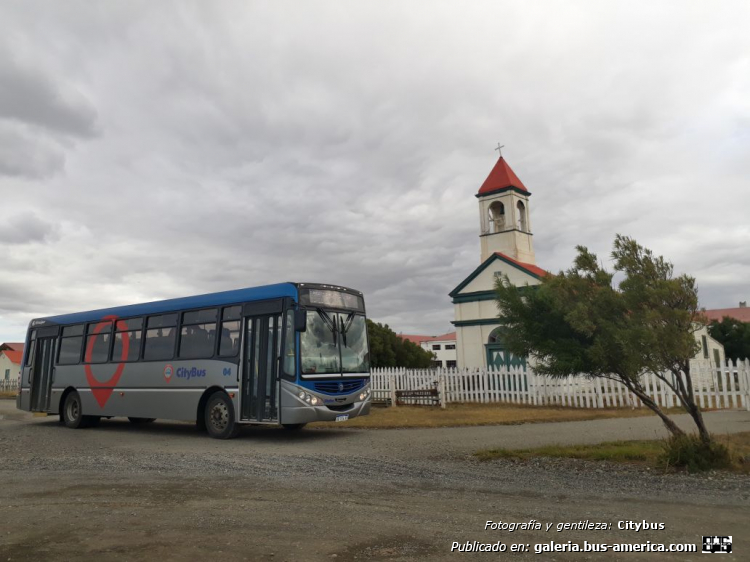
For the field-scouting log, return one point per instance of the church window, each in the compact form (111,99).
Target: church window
(496,336)
(521,216)
(497,217)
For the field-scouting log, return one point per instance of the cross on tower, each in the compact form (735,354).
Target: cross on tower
(500,149)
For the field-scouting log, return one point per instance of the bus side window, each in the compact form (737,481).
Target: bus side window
(71,342)
(130,330)
(32,346)
(229,343)
(290,357)
(198,334)
(160,337)
(97,342)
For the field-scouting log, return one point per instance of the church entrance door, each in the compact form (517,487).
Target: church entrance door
(498,357)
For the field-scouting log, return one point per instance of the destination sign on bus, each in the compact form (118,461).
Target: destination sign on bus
(335,299)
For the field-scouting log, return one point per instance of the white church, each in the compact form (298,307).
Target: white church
(507,248)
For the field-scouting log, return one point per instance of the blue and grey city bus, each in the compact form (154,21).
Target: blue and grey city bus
(287,354)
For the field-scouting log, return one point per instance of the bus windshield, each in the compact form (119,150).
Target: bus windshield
(334,343)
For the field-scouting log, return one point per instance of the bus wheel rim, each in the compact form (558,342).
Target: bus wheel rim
(219,416)
(73,409)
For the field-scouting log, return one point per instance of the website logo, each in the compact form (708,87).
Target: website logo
(717,545)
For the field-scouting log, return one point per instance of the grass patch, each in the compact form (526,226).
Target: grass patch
(7,394)
(617,451)
(730,452)
(460,415)
(692,454)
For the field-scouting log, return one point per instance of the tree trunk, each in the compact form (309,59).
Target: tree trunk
(646,399)
(697,415)
(688,399)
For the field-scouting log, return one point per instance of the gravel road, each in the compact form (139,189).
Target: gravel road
(166,492)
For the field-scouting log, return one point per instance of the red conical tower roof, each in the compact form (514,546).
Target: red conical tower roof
(501,178)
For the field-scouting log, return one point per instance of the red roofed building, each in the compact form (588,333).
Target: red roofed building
(10,364)
(443,347)
(506,249)
(741,313)
(11,346)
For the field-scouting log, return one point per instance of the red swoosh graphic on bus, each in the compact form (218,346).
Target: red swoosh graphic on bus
(103,390)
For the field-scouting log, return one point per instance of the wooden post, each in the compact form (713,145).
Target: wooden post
(392,389)
(441,392)
(725,379)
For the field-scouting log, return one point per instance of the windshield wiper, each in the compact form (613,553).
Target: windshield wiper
(331,323)
(345,327)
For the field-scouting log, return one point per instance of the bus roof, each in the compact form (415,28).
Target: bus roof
(199,301)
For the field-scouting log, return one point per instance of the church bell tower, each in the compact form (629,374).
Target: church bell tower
(504,215)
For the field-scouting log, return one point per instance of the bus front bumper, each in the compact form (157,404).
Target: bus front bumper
(294,410)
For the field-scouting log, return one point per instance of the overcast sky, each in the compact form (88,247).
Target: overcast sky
(159,149)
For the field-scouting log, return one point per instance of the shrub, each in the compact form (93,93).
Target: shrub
(694,454)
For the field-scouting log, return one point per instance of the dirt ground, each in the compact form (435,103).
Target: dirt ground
(165,492)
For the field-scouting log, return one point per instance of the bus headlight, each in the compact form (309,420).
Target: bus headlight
(364,395)
(309,399)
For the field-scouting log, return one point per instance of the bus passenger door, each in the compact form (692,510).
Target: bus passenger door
(260,373)
(40,376)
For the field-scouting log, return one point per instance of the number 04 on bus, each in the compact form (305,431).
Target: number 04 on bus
(288,354)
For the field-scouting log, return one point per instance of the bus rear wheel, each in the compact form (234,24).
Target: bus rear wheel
(72,413)
(141,420)
(219,417)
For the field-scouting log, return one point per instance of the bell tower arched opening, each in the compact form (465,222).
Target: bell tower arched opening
(497,217)
(521,221)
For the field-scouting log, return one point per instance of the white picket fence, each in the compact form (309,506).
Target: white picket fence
(9,384)
(718,388)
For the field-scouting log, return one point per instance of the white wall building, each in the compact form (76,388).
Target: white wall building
(443,347)
(709,355)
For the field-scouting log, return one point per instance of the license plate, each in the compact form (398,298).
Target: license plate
(342,417)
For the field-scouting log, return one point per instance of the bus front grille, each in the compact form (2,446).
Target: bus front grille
(342,387)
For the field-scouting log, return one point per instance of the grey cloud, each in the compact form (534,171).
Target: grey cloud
(247,145)
(29,97)
(40,113)
(27,154)
(25,227)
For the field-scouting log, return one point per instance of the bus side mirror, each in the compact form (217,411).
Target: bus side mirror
(300,320)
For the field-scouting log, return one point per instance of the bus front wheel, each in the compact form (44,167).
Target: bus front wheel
(219,417)
(72,414)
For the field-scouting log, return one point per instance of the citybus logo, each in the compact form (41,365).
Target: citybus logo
(168,373)
(102,390)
